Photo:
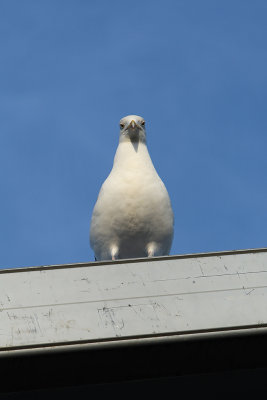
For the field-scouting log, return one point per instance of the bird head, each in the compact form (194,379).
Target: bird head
(132,128)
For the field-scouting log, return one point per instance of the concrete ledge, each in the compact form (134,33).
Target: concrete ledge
(138,319)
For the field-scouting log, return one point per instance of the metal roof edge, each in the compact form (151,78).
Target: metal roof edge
(132,260)
(144,340)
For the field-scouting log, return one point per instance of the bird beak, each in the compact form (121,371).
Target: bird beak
(133,124)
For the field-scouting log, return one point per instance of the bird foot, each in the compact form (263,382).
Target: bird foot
(151,249)
(114,252)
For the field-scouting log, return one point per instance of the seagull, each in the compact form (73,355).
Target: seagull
(133,216)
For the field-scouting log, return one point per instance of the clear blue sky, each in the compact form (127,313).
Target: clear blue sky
(70,69)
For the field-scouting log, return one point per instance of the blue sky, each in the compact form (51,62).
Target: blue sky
(195,70)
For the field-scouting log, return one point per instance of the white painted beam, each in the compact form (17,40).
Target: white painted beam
(96,302)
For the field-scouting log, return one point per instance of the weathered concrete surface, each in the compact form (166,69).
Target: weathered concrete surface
(107,301)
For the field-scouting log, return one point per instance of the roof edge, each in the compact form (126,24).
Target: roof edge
(132,260)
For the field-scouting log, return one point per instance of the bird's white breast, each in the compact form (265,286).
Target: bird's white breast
(133,207)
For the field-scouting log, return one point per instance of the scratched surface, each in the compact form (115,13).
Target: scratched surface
(142,298)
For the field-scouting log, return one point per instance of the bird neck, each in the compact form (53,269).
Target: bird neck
(132,155)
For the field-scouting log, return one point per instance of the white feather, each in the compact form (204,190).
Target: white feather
(133,215)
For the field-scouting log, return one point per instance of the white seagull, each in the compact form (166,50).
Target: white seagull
(133,216)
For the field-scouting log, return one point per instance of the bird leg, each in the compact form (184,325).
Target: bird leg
(151,249)
(114,252)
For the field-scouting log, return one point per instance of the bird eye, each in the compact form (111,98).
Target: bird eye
(143,123)
(121,125)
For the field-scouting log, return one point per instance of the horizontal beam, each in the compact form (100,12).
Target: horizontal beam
(81,324)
